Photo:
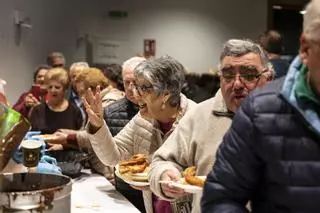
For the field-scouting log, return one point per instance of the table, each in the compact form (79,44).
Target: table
(94,193)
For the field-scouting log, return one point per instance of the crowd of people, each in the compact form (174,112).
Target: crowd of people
(252,127)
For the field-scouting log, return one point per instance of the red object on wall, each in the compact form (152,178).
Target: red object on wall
(149,48)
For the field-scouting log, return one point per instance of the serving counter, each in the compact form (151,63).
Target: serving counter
(94,193)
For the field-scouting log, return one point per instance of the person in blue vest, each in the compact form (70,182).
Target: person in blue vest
(271,154)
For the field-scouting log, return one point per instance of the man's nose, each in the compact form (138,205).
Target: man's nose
(237,84)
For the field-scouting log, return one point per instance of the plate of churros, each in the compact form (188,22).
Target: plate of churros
(190,183)
(134,171)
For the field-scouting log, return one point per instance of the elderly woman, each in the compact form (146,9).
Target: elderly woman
(56,112)
(85,79)
(158,86)
(93,77)
(29,99)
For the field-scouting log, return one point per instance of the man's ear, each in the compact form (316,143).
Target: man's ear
(304,49)
(268,75)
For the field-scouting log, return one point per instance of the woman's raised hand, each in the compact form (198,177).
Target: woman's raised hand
(93,104)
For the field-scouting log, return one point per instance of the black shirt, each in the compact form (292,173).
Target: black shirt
(43,119)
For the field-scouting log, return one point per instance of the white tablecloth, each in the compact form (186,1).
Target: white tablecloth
(94,193)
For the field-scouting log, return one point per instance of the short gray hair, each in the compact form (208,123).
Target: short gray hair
(311,20)
(78,66)
(132,63)
(240,47)
(165,74)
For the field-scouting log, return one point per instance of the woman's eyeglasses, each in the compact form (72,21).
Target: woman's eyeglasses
(142,89)
(247,75)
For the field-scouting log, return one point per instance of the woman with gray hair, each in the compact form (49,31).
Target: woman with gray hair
(157,90)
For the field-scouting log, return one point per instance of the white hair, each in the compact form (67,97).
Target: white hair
(311,20)
(165,74)
(79,65)
(132,63)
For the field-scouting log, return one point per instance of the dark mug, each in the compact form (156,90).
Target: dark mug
(30,152)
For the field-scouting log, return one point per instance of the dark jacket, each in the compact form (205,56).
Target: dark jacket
(270,155)
(280,66)
(118,114)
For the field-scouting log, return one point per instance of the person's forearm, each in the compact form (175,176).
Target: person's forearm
(93,129)
(72,140)
(18,106)
(21,108)
(104,146)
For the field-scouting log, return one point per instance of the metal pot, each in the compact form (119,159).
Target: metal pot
(34,192)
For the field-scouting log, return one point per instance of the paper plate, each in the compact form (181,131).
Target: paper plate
(128,181)
(45,137)
(186,187)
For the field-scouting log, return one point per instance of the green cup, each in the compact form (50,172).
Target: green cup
(30,152)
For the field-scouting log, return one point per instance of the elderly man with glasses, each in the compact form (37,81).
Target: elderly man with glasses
(271,154)
(243,67)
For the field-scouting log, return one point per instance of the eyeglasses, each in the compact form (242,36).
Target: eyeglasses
(127,83)
(247,74)
(57,65)
(142,89)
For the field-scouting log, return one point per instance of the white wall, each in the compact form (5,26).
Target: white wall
(18,62)
(191,31)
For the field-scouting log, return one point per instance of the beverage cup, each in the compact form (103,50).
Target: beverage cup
(30,152)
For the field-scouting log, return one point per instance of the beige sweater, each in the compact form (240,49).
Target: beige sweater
(193,143)
(84,143)
(138,136)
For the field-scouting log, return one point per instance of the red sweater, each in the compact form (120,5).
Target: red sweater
(21,107)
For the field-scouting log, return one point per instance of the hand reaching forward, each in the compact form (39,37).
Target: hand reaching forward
(93,105)
(54,147)
(167,188)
